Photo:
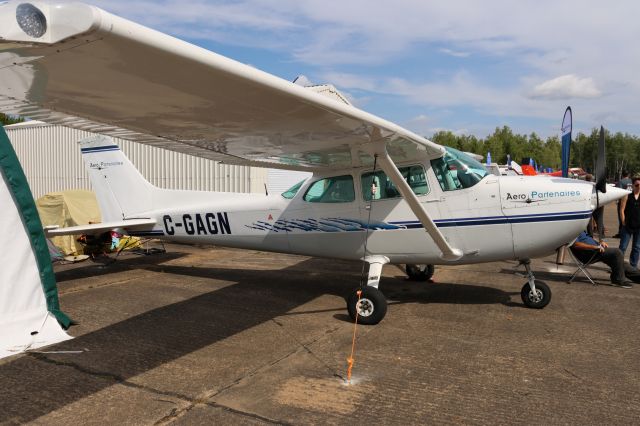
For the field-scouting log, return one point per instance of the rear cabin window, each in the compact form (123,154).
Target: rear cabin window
(291,192)
(378,186)
(337,189)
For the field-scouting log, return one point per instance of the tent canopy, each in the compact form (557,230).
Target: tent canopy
(68,208)
(30,315)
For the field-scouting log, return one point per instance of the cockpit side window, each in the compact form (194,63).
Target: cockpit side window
(456,170)
(378,186)
(337,189)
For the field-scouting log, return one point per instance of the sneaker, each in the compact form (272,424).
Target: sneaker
(622,284)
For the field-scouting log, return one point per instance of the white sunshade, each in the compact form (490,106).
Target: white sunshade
(25,320)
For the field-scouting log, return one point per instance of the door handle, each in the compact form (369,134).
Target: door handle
(434,200)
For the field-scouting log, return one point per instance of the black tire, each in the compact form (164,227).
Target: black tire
(371,306)
(538,301)
(419,272)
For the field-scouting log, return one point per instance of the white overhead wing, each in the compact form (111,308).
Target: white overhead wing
(80,66)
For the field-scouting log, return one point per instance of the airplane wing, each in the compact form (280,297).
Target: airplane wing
(99,228)
(82,67)
(77,65)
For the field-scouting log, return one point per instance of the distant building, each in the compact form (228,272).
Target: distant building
(51,159)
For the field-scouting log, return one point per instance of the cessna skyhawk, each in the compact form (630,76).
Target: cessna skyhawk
(379,193)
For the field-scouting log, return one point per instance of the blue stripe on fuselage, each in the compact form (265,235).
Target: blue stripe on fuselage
(498,220)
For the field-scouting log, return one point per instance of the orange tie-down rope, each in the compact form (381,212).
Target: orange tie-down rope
(350,360)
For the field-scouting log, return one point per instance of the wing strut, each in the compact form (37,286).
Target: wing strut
(386,163)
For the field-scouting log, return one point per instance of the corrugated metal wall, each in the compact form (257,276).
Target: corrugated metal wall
(281,180)
(51,159)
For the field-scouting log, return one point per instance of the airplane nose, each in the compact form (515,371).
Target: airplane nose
(612,194)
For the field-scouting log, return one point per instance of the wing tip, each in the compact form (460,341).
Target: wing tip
(43,22)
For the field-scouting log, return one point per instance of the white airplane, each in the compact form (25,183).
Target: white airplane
(379,193)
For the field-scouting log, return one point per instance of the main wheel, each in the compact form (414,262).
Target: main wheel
(370,306)
(538,299)
(419,272)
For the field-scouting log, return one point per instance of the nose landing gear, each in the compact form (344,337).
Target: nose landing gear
(535,294)
(367,303)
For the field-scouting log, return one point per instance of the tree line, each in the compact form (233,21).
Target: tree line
(623,149)
(5,120)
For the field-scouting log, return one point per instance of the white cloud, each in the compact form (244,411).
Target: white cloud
(353,81)
(422,118)
(458,132)
(366,46)
(461,89)
(206,14)
(422,124)
(457,54)
(566,87)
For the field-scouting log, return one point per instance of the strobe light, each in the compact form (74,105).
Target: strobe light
(31,20)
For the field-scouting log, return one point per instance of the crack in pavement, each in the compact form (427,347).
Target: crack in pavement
(308,349)
(208,398)
(109,376)
(175,412)
(94,286)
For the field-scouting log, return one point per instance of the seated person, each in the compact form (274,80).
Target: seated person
(588,250)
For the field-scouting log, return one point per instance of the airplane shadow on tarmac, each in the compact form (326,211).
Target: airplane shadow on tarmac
(562,276)
(400,291)
(111,265)
(141,343)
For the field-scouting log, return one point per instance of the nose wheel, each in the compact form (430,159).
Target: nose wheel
(536,298)
(535,294)
(368,304)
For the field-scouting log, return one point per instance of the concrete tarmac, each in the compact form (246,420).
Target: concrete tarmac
(203,335)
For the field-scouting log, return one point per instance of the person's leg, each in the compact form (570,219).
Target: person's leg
(586,256)
(619,221)
(614,258)
(635,249)
(625,236)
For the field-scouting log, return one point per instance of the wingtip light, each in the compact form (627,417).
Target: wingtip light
(31,20)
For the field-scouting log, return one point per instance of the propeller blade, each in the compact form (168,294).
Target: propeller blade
(601,165)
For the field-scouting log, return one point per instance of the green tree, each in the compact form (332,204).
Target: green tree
(502,142)
(7,119)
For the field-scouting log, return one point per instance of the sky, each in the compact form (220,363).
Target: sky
(466,66)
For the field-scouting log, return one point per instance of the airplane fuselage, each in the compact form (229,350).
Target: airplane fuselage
(507,217)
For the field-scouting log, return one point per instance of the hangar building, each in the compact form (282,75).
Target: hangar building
(51,160)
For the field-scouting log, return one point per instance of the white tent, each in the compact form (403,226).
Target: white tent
(30,315)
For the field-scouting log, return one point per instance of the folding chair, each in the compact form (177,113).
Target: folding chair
(582,266)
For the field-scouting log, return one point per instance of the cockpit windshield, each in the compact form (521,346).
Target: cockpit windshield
(457,170)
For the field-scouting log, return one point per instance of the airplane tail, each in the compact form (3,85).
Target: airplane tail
(121,190)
